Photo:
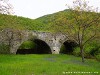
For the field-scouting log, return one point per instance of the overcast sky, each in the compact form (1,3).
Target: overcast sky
(37,8)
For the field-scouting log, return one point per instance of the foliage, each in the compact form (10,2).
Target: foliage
(76,51)
(8,21)
(97,57)
(48,23)
(28,45)
(92,50)
(82,20)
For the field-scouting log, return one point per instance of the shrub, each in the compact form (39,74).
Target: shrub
(92,49)
(97,57)
(28,45)
(76,51)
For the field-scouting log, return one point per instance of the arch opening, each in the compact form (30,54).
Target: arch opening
(34,47)
(68,47)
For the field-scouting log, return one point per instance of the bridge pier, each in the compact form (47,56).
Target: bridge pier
(55,50)
(13,50)
(55,46)
(14,46)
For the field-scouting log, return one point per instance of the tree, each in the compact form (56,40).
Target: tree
(83,21)
(5,7)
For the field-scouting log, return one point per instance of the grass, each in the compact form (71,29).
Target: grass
(46,65)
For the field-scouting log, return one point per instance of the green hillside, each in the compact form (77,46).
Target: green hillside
(40,24)
(8,21)
(45,23)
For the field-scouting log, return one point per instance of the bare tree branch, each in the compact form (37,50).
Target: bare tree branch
(5,7)
(92,37)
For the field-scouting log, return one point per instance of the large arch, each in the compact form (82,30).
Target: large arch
(35,46)
(68,47)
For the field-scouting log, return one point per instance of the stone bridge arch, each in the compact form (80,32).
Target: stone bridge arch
(26,37)
(68,46)
(35,46)
(17,37)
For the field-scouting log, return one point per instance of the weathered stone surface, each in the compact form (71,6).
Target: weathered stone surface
(14,38)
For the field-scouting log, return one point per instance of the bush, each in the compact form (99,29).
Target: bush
(95,51)
(92,49)
(4,49)
(76,51)
(97,57)
(88,50)
(28,45)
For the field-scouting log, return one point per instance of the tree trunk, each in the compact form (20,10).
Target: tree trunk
(82,53)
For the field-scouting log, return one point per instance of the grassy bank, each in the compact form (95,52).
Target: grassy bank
(46,65)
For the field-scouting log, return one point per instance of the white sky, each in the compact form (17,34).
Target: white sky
(37,8)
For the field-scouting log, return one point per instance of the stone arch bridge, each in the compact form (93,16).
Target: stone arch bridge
(14,38)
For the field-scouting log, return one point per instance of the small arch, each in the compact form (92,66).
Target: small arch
(35,46)
(68,47)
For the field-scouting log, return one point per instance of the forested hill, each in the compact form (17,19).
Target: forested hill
(46,23)
(43,23)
